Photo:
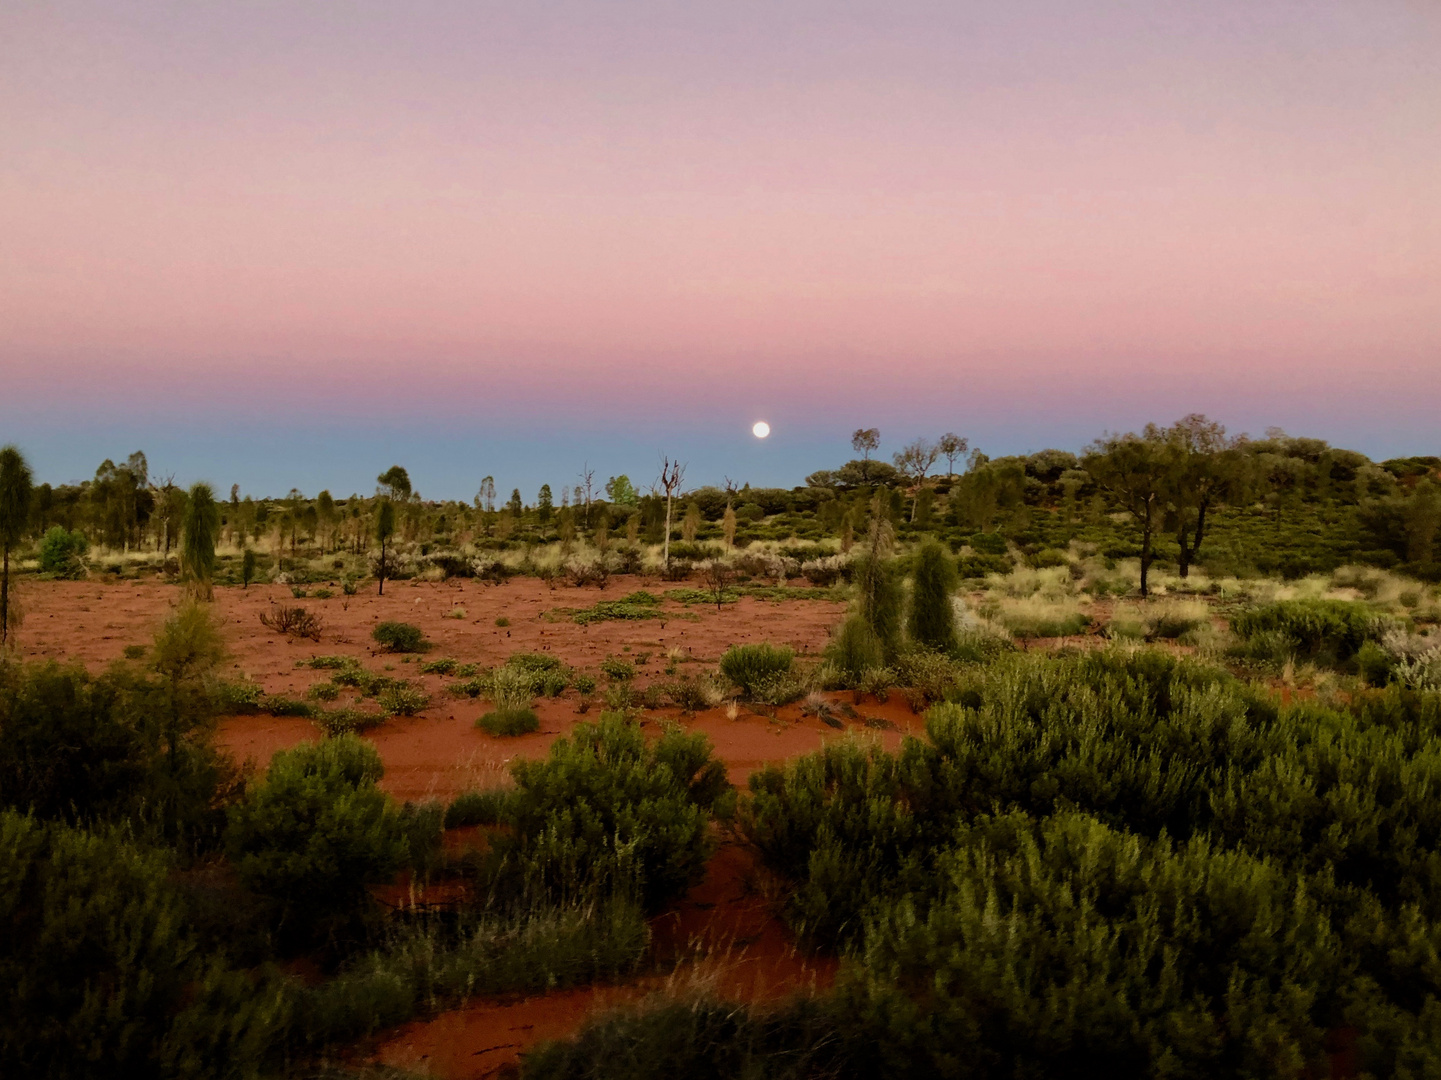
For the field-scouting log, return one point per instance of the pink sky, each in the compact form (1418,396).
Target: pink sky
(1107,210)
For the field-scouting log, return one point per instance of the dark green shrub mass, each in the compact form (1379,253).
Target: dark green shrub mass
(101,975)
(398,637)
(1120,864)
(61,552)
(608,812)
(509,721)
(755,668)
(1325,631)
(932,620)
(316,832)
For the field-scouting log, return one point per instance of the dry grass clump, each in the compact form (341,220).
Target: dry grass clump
(1164,618)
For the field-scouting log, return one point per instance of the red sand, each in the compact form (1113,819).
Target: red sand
(723,938)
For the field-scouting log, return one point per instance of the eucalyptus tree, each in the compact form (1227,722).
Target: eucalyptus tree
(1136,471)
(15,487)
(865,441)
(951,446)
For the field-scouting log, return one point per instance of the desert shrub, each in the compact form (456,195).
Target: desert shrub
(932,619)
(538,663)
(607,811)
(283,705)
(988,543)
(509,720)
(322,594)
(402,698)
(854,649)
(1037,617)
(827,569)
(616,669)
(757,669)
(585,684)
(239,697)
(61,552)
(719,1040)
(980,566)
(102,975)
(485,807)
(249,563)
(438,963)
(637,605)
(443,666)
(692,693)
(298,591)
(398,637)
(346,721)
(1155,620)
(1324,631)
(315,833)
(125,745)
(293,622)
(879,601)
(326,691)
(1121,859)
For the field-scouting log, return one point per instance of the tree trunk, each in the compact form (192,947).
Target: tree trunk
(1146,530)
(665,548)
(381,591)
(1200,529)
(5,599)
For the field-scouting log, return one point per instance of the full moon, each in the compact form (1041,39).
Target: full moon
(761,430)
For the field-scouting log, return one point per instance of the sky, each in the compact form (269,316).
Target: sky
(291,244)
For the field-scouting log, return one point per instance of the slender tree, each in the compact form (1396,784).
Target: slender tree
(672,475)
(15,486)
(384,530)
(932,620)
(199,530)
(866,441)
(544,504)
(951,447)
(396,482)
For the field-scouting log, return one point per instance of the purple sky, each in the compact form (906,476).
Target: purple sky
(291,244)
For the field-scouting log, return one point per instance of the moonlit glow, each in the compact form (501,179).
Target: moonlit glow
(761,430)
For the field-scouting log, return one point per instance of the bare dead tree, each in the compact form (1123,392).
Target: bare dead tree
(586,489)
(672,475)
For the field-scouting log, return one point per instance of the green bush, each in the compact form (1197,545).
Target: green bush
(127,745)
(606,813)
(1122,860)
(854,650)
(477,808)
(932,619)
(513,720)
(617,670)
(1327,632)
(316,833)
(757,669)
(402,698)
(101,974)
(61,552)
(399,637)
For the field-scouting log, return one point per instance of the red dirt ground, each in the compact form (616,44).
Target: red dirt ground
(724,937)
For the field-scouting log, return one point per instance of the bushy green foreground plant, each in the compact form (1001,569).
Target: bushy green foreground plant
(1328,632)
(101,975)
(399,637)
(606,808)
(760,671)
(316,832)
(1124,863)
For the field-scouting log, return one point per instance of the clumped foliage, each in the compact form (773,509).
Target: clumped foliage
(398,637)
(61,552)
(1327,632)
(932,619)
(101,974)
(509,720)
(609,812)
(315,833)
(761,672)
(1124,862)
